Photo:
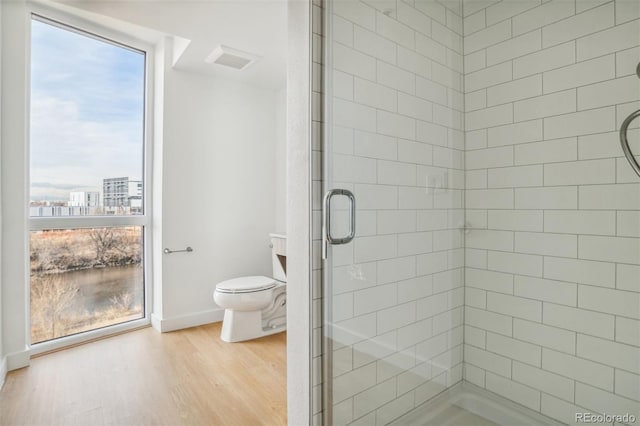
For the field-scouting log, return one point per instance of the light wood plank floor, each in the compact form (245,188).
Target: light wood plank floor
(185,377)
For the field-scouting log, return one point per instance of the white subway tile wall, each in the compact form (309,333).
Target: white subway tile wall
(552,308)
(398,143)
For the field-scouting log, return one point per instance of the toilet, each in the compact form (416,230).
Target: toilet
(255,306)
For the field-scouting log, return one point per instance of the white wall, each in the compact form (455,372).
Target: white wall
(280,153)
(220,178)
(3,361)
(298,213)
(553,267)
(14,183)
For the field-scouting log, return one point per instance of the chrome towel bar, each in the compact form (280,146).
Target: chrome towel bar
(624,141)
(169,251)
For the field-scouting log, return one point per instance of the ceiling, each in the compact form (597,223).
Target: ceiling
(258,27)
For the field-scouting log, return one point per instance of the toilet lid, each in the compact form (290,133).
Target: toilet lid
(246,284)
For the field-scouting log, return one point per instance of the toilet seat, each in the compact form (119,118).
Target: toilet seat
(246,285)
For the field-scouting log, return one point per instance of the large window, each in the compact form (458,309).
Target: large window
(87,197)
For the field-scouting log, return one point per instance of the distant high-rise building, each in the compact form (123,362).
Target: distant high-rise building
(84,199)
(122,193)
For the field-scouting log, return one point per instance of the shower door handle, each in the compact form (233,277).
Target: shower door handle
(624,142)
(327,238)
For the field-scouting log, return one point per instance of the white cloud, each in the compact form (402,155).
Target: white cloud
(67,150)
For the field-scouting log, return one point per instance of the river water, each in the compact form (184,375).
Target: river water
(97,286)
(101,297)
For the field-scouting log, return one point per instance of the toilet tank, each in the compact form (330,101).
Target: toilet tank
(279,256)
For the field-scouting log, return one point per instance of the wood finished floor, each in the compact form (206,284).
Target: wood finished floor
(187,377)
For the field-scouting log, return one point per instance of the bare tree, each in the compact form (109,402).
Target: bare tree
(51,296)
(123,301)
(104,239)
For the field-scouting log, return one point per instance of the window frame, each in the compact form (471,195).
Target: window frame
(74,23)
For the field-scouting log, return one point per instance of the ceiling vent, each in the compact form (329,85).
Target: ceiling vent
(233,58)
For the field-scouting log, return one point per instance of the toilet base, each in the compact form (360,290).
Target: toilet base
(239,326)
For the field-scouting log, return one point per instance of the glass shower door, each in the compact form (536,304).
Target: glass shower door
(393,138)
(495,269)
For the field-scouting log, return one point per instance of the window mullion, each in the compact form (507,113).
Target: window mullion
(40,223)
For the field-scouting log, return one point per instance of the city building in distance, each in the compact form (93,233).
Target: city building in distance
(84,199)
(121,195)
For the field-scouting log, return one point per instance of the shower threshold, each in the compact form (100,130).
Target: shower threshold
(466,404)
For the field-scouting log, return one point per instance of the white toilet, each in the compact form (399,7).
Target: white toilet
(255,306)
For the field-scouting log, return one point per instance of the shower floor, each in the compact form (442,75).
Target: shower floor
(454,415)
(468,405)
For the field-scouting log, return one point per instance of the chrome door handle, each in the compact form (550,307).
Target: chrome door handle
(624,142)
(327,238)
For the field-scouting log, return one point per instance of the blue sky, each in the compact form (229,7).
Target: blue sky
(87,107)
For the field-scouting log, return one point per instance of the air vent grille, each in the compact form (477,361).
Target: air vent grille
(229,57)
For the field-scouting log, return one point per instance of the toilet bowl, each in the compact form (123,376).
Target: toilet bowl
(255,306)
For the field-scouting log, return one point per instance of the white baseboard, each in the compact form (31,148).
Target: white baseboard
(156,322)
(185,321)
(18,360)
(3,371)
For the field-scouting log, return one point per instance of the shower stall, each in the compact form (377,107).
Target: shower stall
(477,212)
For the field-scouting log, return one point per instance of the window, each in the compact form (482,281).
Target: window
(88,215)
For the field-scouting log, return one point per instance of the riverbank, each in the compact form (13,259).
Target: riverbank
(57,251)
